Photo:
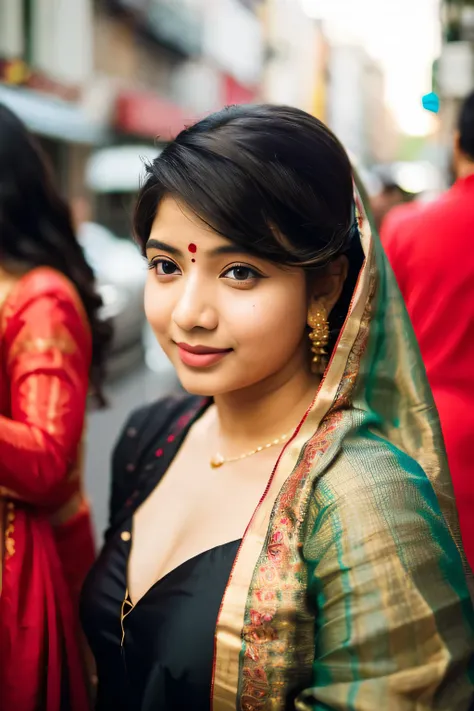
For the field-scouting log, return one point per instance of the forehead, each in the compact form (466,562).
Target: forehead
(177,222)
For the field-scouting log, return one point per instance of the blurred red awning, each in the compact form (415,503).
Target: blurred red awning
(237,93)
(145,114)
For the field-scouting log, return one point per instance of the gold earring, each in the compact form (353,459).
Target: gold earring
(319,338)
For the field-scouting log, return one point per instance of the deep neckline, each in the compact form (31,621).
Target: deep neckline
(176,441)
(179,568)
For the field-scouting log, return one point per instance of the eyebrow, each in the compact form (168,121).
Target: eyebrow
(156,244)
(216,252)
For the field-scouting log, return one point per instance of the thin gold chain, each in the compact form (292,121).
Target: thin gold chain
(218,460)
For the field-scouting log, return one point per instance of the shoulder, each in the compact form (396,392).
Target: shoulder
(415,244)
(158,413)
(397,216)
(433,217)
(44,281)
(145,430)
(372,471)
(146,425)
(44,285)
(44,308)
(377,497)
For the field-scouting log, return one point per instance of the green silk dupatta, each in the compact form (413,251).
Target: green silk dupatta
(350,590)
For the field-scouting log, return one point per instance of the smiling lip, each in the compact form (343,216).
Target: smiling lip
(201,356)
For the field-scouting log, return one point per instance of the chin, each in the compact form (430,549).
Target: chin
(204,384)
(210,384)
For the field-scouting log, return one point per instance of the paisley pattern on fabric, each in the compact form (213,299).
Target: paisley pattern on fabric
(278,637)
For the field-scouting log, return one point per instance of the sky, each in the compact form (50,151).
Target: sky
(403,35)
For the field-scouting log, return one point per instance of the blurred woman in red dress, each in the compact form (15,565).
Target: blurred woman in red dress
(52,346)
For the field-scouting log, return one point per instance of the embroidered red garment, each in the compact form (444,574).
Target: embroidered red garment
(47,547)
(432,255)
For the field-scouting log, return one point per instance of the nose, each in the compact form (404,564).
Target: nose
(195,307)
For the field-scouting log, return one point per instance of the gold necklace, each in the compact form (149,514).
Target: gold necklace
(218,460)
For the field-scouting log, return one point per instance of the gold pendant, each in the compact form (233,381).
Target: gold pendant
(217,461)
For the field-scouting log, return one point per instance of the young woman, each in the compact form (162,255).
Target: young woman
(285,537)
(51,348)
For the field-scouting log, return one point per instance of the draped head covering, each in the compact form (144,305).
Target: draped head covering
(351,581)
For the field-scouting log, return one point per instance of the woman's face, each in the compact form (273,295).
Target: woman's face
(226,320)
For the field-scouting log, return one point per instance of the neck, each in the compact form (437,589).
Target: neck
(464,169)
(267,410)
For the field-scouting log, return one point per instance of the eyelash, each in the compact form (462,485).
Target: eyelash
(153,264)
(255,274)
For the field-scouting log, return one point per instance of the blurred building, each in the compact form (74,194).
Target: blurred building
(121,73)
(321,84)
(453,75)
(295,68)
(162,64)
(106,83)
(356,109)
(46,60)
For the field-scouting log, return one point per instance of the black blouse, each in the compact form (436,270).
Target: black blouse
(159,653)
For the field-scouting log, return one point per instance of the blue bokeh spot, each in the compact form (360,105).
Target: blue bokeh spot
(431,102)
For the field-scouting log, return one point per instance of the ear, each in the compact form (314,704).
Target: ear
(327,286)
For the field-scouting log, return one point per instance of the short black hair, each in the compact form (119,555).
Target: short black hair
(466,126)
(271,178)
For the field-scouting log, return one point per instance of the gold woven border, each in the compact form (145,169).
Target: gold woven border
(230,624)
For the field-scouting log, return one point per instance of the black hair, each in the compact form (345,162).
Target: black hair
(36,228)
(466,126)
(271,178)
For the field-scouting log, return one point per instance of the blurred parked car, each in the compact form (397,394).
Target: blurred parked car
(113,176)
(120,271)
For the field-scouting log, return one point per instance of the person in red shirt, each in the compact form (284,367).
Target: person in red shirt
(432,255)
(392,222)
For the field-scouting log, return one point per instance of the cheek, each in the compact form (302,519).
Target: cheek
(156,308)
(273,323)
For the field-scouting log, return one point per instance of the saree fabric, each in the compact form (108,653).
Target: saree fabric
(46,535)
(350,590)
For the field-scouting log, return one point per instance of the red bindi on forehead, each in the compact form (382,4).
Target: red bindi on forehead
(192,248)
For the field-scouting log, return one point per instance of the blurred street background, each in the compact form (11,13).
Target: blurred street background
(105,84)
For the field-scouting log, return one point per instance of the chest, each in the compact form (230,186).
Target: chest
(193,509)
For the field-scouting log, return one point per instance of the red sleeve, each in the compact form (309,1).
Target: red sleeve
(47,347)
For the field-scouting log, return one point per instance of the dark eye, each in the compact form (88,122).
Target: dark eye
(241,273)
(164,267)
